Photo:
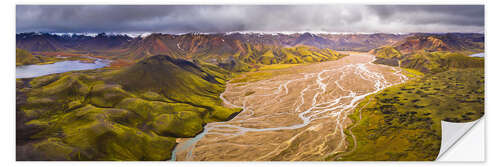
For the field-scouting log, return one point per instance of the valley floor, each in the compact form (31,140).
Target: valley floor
(296,113)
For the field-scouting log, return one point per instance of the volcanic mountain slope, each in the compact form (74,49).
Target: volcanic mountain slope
(130,114)
(36,42)
(196,45)
(362,42)
(193,44)
(229,51)
(441,42)
(45,42)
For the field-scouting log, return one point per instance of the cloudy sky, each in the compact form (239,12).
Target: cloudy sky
(227,18)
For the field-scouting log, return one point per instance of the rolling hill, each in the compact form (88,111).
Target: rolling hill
(24,57)
(130,114)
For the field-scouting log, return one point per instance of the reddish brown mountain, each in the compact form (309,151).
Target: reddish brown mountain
(441,42)
(45,42)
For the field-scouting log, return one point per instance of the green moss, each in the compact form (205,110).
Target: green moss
(412,73)
(276,66)
(43,80)
(223,114)
(75,104)
(308,59)
(147,109)
(67,85)
(31,114)
(105,95)
(38,123)
(254,76)
(131,114)
(24,57)
(428,62)
(105,134)
(179,124)
(387,53)
(249,93)
(268,58)
(54,149)
(404,122)
(153,96)
(254,56)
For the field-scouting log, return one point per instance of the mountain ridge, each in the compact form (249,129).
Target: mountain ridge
(432,53)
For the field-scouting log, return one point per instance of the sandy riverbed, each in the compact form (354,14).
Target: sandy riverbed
(299,115)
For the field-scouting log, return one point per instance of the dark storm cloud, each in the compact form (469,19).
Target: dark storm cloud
(224,18)
(436,14)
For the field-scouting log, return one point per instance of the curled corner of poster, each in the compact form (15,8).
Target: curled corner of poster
(451,133)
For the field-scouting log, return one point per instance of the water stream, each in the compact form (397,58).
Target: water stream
(315,110)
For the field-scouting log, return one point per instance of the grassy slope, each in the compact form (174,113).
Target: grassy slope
(132,114)
(250,55)
(387,55)
(285,58)
(24,57)
(427,62)
(404,122)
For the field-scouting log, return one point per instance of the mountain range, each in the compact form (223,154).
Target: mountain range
(43,42)
(223,45)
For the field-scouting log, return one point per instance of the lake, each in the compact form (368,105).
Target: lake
(30,71)
(477,55)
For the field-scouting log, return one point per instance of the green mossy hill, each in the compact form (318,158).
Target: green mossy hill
(404,122)
(233,54)
(258,55)
(132,114)
(236,65)
(387,52)
(162,73)
(427,62)
(292,55)
(24,57)
(434,62)
(387,55)
(91,133)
